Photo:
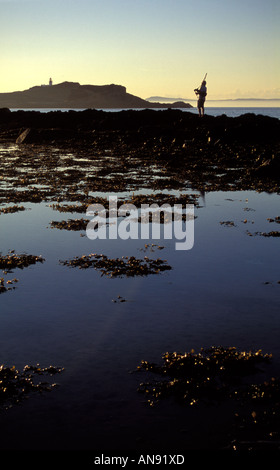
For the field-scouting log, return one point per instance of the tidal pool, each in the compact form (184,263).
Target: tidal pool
(224,291)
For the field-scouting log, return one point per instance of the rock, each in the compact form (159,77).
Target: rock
(23,136)
(270,167)
(4,112)
(164,131)
(40,136)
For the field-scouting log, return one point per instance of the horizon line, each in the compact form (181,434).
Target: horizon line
(212,99)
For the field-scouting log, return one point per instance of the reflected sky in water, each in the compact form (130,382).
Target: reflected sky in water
(215,292)
(224,291)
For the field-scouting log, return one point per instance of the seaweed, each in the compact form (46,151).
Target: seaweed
(275,219)
(210,375)
(13,260)
(16,386)
(3,288)
(12,209)
(118,267)
(127,159)
(228,223)
(273,233)
(257,423)
(70,224)
(217,376)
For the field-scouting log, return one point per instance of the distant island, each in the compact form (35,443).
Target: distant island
(167,99)
(75,96)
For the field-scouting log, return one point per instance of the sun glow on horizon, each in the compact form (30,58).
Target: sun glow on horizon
(158,47)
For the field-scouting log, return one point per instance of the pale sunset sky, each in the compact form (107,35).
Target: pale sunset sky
(152,47)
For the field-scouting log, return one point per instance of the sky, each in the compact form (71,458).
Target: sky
(152,47)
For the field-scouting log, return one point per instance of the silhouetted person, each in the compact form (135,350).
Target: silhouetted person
(201,92)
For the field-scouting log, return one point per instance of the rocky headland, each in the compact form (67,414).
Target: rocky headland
(76,96)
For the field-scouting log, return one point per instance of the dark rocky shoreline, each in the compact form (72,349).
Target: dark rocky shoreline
(211,153)
(247,128)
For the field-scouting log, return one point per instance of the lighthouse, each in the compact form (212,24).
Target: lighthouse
(50,82)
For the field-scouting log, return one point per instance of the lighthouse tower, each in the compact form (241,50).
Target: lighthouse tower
(50,82)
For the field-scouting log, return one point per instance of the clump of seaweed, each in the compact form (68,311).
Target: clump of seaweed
(15,385)
(228,223)
(70,224)
(13,260)
(3,288)
(162,198)
(275,219)
(12,209)
(119,267)
(119,299)
(80,208)
(28,195)
(151,247)
(69,207)
(273,233)
(257,424)
(161,217)
(209,375)
(218,375)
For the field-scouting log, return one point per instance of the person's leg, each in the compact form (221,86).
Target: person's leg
(200,105)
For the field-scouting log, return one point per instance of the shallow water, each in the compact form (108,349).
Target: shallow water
(224,291)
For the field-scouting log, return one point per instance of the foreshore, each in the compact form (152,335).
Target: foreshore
(211,153)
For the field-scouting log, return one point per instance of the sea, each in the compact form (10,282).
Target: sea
(269,108)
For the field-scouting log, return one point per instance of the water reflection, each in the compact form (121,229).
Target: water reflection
(225,290)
